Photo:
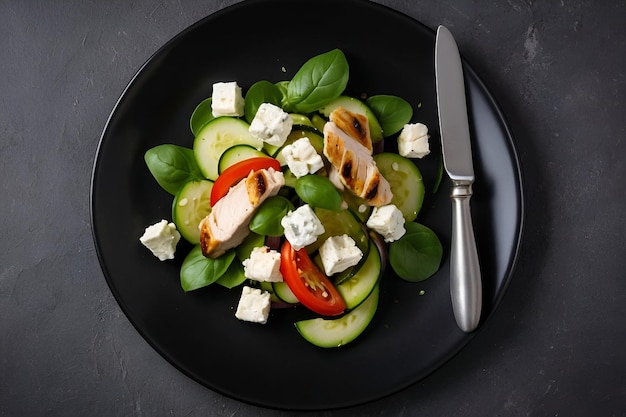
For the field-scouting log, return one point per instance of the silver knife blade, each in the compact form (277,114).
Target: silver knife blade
(465,276)
(453,123)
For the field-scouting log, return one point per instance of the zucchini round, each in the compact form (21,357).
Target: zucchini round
(338,223)
(236,154)
(406,183)
(284,293)
(216,137)
(358,287)
(192,204)
(328,333)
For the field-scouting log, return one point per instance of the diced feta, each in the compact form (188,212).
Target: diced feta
(271,124)
(302,227)
(388,222)
(227,100)
(413,141)
(161,238)
(263,265)
(302,158)
(254,305)
(338,253)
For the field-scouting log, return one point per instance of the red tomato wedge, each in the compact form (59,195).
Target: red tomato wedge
(234,173)
(310,285)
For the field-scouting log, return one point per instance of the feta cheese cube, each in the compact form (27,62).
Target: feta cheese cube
(254,305)
(338,253)
(302,158)
(413,141)
(302,227)
(388,222)
(227,100)
(271,124)
(263,265)
(161,238)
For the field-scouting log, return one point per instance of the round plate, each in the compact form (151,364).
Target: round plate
(271,365)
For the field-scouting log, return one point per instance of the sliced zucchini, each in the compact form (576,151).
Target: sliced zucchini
(405,180)
(357,205)
(328,333)
(267,286)
(192,203)
(236,154)
(216,137)
(358,287)
(284,293)
(356,106)
(318,121)
(337,223)
(300,119)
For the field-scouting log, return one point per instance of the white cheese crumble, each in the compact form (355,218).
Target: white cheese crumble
(227,100)
(271,124)
(161,238)
(388,222)
(302,227)
(413,141)
(263,265)
(338,253)
(302,158)
(254,305)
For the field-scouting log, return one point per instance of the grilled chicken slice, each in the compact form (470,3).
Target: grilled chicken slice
(346,140)
(227,224)
(355,125)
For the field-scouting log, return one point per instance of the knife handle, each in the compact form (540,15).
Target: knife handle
(465,279)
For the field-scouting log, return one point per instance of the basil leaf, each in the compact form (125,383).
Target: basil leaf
(233,276)
(417,255)
(198,271)
(250,242)
(259,93)
(282,88)
(172,166)
(319,81)
(318,191)
(266,219)
(202,115)
(392,112)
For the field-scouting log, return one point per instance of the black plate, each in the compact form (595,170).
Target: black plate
(271,365)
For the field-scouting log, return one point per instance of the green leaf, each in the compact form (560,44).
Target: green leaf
(233,276)
(250,242)
(172,166)
(282,88)
(259,93)
(319,81)
(417,255)
(392,112)
(202,115)
(318,191)
(198,271)
(266,219)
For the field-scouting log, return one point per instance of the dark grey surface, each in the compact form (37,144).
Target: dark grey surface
(555,345)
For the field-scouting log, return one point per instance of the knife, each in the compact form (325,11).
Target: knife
(465,277)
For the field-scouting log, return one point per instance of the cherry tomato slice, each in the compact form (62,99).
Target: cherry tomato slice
(310,285)
(234,173)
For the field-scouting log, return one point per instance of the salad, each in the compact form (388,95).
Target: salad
(288,196)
